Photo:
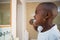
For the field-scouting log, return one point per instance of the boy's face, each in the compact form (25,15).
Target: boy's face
(39,19)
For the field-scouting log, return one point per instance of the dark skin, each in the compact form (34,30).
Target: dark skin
(46,24)
(44,19)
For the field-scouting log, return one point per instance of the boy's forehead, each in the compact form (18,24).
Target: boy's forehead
(41,11)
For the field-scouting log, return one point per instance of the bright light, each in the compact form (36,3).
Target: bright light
(58,9)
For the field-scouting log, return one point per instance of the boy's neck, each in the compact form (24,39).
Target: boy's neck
(47,26)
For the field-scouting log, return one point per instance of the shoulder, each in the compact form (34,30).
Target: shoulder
(54,36)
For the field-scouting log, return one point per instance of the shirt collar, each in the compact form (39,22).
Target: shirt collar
(54,28)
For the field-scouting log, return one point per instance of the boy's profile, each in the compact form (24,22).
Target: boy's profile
(44,15)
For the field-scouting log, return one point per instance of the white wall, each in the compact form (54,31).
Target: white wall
(21,22)
(14,18)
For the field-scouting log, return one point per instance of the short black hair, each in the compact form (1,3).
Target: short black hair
(46,7)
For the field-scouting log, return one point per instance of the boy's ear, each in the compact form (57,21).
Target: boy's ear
(48,16)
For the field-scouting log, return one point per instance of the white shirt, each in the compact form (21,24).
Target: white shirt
(52,34)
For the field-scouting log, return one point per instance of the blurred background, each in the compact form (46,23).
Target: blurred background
(21,12)
(4,13)
(30,10)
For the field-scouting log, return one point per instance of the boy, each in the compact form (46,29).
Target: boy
(44,16)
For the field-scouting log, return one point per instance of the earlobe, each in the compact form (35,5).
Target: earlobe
(45,18)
